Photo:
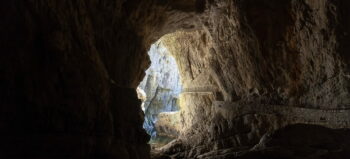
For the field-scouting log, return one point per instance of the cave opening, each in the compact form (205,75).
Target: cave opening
(159,92)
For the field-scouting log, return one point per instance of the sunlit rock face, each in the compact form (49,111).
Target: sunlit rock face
(245,74)
(161,86)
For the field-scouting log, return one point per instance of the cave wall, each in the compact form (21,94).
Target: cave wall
(69,70)
(63,65)
(257,66)
(291,50)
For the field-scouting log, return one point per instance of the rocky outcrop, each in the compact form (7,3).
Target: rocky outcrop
(169,124)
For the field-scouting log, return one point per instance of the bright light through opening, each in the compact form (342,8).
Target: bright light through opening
(160,88)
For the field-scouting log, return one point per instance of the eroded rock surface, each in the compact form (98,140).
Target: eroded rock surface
(257,66)
(293,141)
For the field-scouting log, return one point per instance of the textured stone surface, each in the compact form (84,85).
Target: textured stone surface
(257,66)
(169,124)
(302,141)
(293,141)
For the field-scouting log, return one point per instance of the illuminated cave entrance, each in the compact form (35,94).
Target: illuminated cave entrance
(159,91)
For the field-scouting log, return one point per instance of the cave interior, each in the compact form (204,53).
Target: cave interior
(173,79)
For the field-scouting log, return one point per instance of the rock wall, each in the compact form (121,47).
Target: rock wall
(69,70)
(281,60)
(67,82)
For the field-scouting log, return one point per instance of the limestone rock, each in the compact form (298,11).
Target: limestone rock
(302,141)
(168,124)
